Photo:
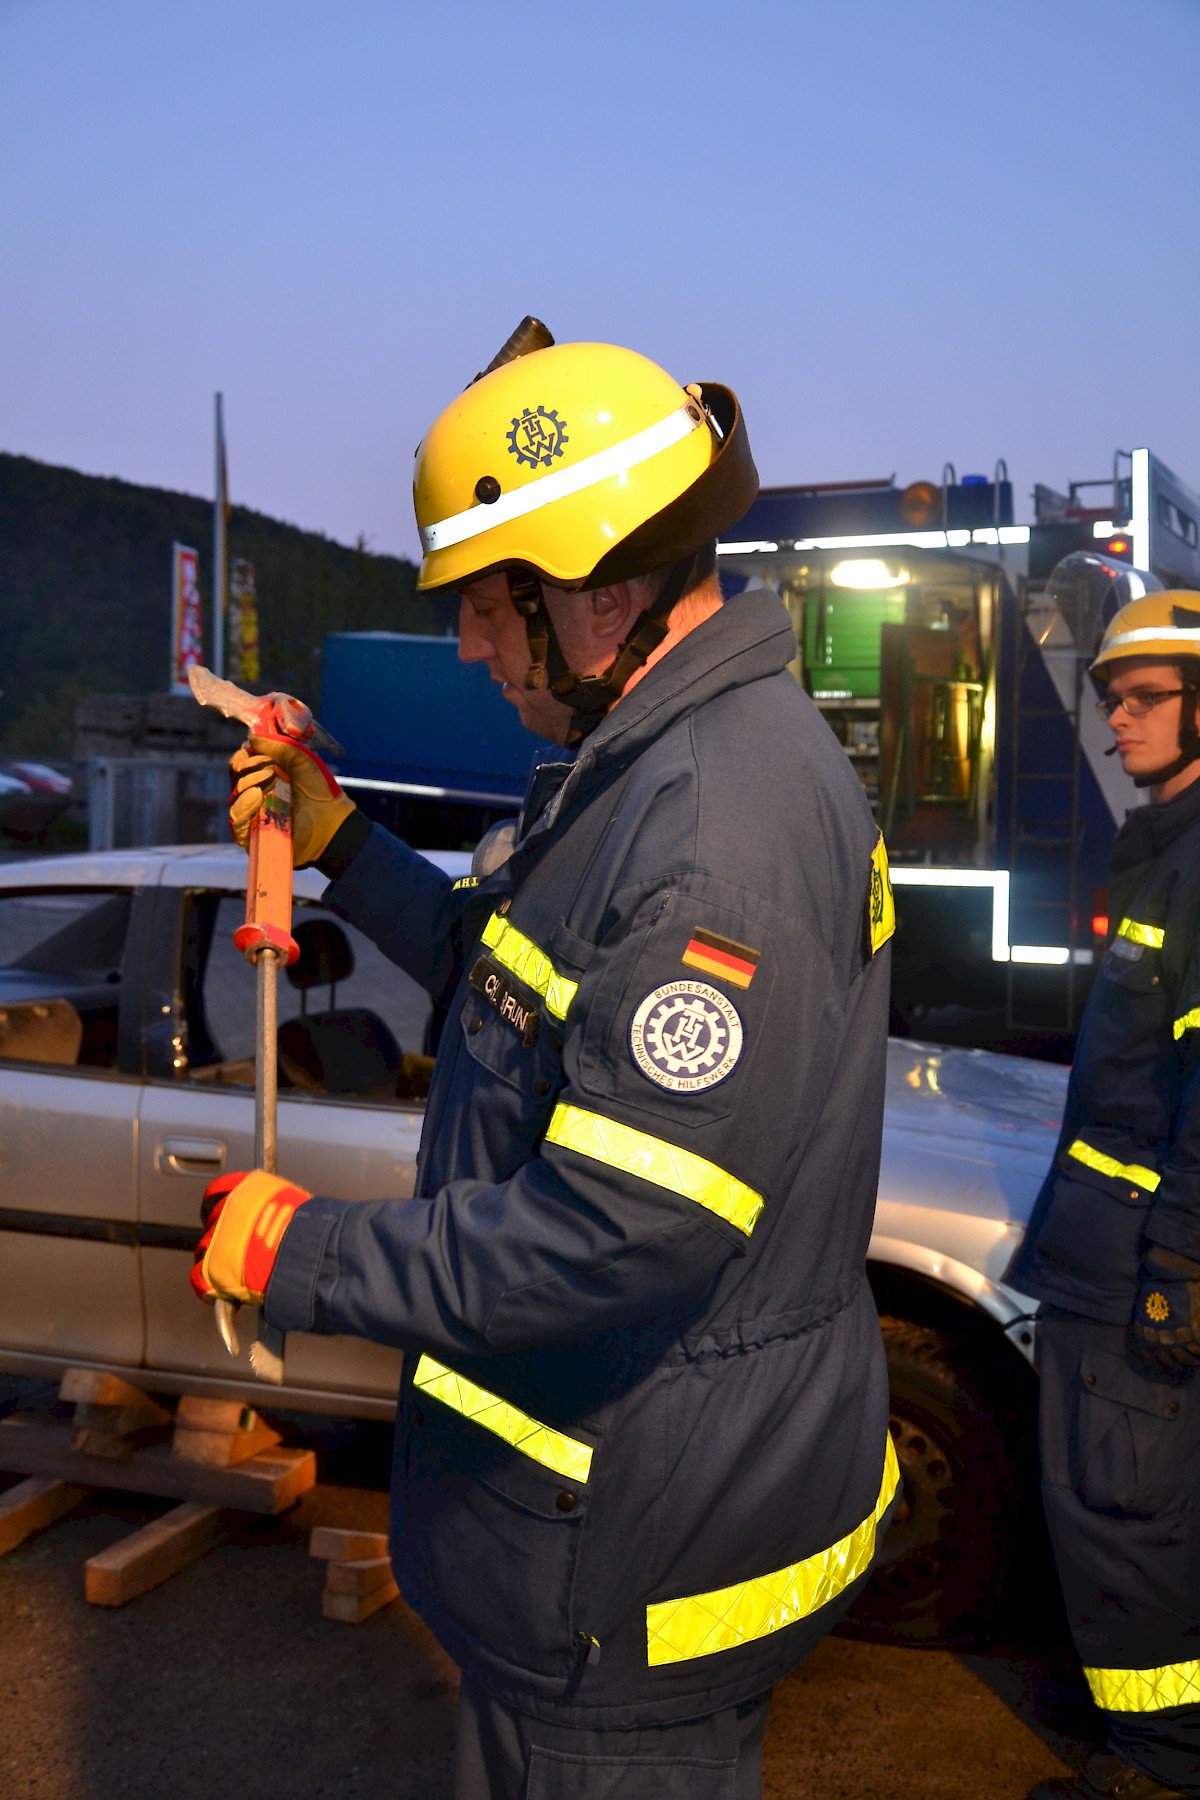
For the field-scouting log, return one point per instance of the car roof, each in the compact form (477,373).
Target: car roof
(175,865)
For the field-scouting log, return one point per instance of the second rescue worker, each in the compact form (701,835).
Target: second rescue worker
(642,1461)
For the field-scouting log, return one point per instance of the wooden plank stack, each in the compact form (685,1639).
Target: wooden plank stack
(358,1575)
(213,1456)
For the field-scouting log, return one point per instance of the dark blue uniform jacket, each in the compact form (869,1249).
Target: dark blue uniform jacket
(1127,1170)
(641,1451)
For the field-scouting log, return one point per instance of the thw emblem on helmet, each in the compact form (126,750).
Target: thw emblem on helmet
(537,436)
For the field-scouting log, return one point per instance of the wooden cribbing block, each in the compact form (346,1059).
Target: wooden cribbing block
(355,1590)
(358,1577)
(332,1544)
(267,1483)
(219,1433)
(32,1505)
(107,1412)
(151,1555)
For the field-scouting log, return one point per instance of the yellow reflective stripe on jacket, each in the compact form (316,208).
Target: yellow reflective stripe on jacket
(1189,1022)
(637,1153)
(1108,1165)
(551,1448)
(529,964)
(1145,1690)
(680,1630)
(1150,935)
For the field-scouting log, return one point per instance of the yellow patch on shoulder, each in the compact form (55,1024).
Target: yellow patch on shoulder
(881,905)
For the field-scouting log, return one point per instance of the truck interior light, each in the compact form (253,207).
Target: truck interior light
(753,547)
(867,572)
(1103,528)
(1050,954)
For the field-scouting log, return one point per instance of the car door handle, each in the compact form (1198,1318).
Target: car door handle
(190,1156)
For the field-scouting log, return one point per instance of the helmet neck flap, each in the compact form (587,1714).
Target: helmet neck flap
(590,696)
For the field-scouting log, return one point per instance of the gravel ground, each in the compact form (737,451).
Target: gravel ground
(226,1680)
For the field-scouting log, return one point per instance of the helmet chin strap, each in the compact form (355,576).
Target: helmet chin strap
(590,696)
(1189,744)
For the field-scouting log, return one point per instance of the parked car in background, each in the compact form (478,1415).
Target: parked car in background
(33,797)
(126,1083)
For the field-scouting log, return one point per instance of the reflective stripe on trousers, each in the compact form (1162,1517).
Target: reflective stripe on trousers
(1145,1690)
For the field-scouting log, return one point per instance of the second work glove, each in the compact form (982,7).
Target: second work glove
(319,806)
(246,1217)
(1166,1315)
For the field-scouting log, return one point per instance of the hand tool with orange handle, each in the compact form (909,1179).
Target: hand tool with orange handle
(265,939)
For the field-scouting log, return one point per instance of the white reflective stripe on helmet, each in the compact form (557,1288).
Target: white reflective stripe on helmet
(1173,634)
(556,486)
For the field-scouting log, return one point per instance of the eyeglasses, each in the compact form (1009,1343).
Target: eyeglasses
(1137,704)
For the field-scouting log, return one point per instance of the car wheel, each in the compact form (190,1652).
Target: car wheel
(944,1562)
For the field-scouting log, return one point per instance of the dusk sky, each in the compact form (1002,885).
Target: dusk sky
(905,234)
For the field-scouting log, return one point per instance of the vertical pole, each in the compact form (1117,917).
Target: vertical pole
(220,558)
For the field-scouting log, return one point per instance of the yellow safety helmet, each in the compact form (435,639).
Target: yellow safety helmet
(582,463)
(1165,624)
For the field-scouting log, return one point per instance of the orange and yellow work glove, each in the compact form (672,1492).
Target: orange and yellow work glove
(318,804)
(246,1217)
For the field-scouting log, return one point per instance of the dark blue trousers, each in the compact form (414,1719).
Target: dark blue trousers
(502,1755)
(1120,1452)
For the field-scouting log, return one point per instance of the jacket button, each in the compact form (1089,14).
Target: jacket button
(1173,1408)
(541,1086)
(1090,1380)
(474,1026)
(418,1417)
(565,1503)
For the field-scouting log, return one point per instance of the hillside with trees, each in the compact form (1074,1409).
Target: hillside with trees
(85,594)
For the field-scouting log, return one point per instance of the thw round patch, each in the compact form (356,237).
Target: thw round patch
(685,1036)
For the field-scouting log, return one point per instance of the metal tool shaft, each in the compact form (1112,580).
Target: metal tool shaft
(266,1352)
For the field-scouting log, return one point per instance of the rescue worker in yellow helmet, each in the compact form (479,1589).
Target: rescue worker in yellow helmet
(642,1461)
(1113,1246)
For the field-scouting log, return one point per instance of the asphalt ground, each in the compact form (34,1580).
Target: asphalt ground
(227,1681)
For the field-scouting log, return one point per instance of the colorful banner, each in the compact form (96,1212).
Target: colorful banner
(243,624)
(187,646)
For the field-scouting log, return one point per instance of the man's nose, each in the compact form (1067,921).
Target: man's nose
(474,645)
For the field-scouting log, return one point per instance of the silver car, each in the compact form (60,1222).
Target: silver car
(126,1083)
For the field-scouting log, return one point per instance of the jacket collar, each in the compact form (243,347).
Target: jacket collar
(749,638)
(1149,830)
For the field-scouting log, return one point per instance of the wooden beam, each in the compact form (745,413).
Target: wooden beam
(332,1544)
(32,1505)
(359,1577)
(108,1411)
(219,1433)
(151,1555)
(267,1483)
(352,1608)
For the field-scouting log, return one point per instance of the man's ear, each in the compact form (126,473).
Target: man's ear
(612,611)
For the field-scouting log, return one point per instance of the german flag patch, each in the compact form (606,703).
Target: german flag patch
(721,956)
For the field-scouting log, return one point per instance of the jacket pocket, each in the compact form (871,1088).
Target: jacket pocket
(492,1531)
(1103,1189)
